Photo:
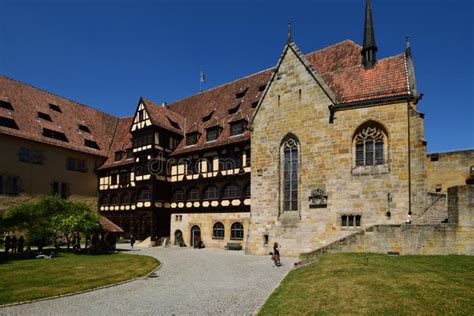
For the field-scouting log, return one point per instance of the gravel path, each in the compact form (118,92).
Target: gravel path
(191,281)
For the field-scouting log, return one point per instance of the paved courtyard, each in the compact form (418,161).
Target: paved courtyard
(191,281)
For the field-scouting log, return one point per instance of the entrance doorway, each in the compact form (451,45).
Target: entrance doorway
(178,238)
(195,236)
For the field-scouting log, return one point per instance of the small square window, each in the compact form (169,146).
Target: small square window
(212,133)
(237,128)
(118,155)
(191,139)
(129,154)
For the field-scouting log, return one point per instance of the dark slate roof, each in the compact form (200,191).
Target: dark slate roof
(27,101)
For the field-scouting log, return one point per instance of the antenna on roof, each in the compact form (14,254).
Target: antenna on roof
(202,79)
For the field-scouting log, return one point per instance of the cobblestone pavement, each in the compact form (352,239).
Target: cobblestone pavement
(191,281)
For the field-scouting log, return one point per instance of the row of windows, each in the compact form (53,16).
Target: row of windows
(233,160)
(213,133)
(230,191)
(236,231)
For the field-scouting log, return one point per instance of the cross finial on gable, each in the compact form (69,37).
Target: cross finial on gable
(289,39)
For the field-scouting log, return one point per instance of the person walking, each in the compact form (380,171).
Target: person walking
(276,254)
(132,241)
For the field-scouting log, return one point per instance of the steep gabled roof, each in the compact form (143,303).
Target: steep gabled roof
(27,101)
(122,141)
(163,117)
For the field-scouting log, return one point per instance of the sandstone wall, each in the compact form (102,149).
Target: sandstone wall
(448,169)
(441,239)
(295,103)
(206,221)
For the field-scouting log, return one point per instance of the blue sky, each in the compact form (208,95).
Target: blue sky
(109,53)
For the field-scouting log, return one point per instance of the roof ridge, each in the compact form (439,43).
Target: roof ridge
(332,45)
(57,95)
(358,65)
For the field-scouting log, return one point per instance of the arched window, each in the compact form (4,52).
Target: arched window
(370,145)
(289,161)
(193,194)
(231,191)
(247,191)
(178,195)
(144,194)
(237,231)
(210,193)
(125,199)
(115,200)
(218,231)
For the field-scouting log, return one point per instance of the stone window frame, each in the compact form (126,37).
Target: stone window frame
(378,130)
(289,137)
(348,215)
(218,232)
(236,232)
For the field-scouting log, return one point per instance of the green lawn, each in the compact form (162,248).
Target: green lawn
(409,285)
(22,280)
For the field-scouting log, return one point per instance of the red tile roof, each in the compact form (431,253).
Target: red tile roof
(122,141)
(27,101)
(109,226)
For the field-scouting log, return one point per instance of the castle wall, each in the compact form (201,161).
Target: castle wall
(444,170)
(457,237)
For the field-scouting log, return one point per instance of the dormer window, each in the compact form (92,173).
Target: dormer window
(91,144)
(129,154)
(54,134)
(118,155)
(44,116)
(234,108)
(191,138)
(212,133)
(254,105)
(237,128)
(241,93)
(6,105)
(84,128)
(208,116)
(8,122)
(54,107)
(261,88)
(174,124)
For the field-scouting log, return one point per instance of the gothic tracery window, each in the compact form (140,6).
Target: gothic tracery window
(289,152)
(369,146)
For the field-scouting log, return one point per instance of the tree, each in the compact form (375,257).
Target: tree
(51,218)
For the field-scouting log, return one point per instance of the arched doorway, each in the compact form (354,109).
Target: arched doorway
(195,236)
(178,238)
